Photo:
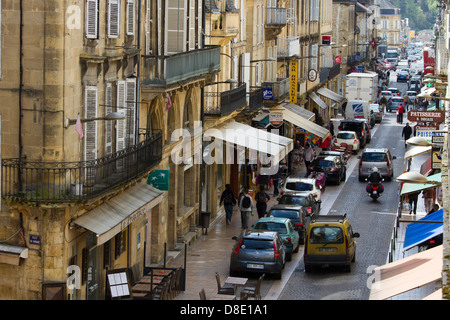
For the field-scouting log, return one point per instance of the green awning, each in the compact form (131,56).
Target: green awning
(414,187)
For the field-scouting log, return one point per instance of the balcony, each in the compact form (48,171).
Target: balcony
(62,182)
(220,103)
(256,100)
(274,92)
(226,24)
(276,19)
(173,70)
(288,47)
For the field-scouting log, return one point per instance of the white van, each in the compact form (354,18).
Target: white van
(357,109)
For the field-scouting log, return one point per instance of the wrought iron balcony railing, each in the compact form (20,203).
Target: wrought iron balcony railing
(58,182)
(220,103)
(163,71)
(276,16)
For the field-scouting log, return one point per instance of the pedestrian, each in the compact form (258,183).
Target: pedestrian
(276,179)
(413,197)
(308,156)
(434,208)
(229,201)
(246,207)
(261,201)
(429,198)
(407,132)
(407,101)
(383,102)
(331,124)
(400,114)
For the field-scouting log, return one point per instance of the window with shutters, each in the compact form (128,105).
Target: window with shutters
(130,17)
(108,124)
(191,23)
(91,19)
(113,18)
(120,124)
(131,110)
(176,19)
(313,53)
(90,131)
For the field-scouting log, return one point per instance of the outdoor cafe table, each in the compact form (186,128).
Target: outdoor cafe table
(236,282)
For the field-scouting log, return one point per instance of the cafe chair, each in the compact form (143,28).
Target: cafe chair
(225,289)
(255,291)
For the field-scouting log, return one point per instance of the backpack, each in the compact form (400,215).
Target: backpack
(261,197)
(246,202)
(228,199)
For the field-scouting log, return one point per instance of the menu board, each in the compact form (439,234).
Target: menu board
(118,283)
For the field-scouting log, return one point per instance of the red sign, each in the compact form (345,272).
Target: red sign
(337,59)
(326,40)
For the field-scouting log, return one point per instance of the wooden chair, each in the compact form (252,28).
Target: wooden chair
(255,291)
(161,291)
(177,278)
(225,289)
(202,294)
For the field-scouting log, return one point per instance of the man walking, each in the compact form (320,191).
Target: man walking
(401,110)
(246,207)
(406,132)
(308,156)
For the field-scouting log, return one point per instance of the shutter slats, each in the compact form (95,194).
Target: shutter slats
(92,19)
(114,19)
(130,17)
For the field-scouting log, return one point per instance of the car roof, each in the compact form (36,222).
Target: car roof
(376,150)
(273,219)
(397,98)
(295,194)
(331,153)
(347,132)
(327,157)
(306,180)
(329,218)
(293,207)
(259,234)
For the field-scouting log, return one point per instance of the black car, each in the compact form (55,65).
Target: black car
(334,168)
(358,127)
(296,213)
(307,201)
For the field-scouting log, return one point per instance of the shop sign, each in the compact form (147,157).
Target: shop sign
(429,134)
(159,179)
(293,86)
(426,116)
(337,59)
(326,40)
(276,119)
(268,90)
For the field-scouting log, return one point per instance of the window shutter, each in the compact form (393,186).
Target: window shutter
(245,71)
(130,17)
(92,19)
(114,19)
(90,141)
(108,124)
(191,24)
(148,27)
(176,14)
(120,124)
(199,23)
(131,110)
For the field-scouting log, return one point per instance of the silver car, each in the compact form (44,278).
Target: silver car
(258,251)
(376,157)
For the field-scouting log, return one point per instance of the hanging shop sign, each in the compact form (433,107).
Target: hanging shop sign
(293,85)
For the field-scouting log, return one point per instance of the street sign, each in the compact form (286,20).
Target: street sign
(276,119)
(268,90)
(426,116)
(159,179)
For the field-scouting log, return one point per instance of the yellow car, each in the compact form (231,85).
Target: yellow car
(330,240)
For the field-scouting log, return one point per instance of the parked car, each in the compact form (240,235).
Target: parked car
(395,91)
(357,127)
(376,157)
(396,102)
(377,112)
(348,137)
(258,251)
(297,214)
(367,128)
(415,79)
(286,231)
(403,75)
(412,96)
(330,240)
(308,202)
(334,168)
(302,185)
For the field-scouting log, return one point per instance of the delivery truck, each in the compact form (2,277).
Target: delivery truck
(362,86)
(357,109)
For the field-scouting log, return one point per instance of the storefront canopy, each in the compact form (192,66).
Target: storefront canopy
(416,232)
(406,274)
(295,118)
(317,100)
(415,187)
(416,151)
(331,95)
(249,137)
(111,217)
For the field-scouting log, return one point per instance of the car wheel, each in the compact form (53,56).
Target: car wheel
(289,256)
(297,248)
(348,268)
(278,275)
(308,268)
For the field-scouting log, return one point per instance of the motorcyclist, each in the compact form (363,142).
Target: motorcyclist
(375,178)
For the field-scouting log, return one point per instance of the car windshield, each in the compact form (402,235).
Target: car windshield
(397,100)
(345,135)
(290,214)
(257,244)
(271,226)
(374,157)
(325,164)
(326,235)
(299,186)
(349,126)
(288,199)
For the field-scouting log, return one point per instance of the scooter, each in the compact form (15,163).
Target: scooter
(374,190)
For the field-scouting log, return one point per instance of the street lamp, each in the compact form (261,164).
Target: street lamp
(111,116)
(417,178)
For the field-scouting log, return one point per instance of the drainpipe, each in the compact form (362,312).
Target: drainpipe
(138,77)
(19,172)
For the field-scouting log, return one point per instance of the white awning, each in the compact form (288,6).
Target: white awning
(319,101)
(305,124)
(111,217)
(416,151)
(308,115)
(406,274)
(12,254)
(331,95)
(252,138)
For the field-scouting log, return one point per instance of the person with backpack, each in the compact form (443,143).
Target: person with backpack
(229,201)
(261,201)
(246,207)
